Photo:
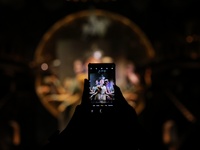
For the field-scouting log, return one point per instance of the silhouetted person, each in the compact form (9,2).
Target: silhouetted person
(115,128)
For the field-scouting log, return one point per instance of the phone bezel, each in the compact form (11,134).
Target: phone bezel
(102,71)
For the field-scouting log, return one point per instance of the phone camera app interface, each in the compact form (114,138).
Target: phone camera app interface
(102,80)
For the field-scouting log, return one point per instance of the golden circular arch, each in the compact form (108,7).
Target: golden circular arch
(49,35)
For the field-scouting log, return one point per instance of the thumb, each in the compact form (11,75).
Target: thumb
(85,95)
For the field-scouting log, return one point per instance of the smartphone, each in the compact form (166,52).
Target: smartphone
(102,79)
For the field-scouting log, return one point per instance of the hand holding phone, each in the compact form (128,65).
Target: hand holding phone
(103,124)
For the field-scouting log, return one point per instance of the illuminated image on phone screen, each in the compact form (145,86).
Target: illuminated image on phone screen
(102,80)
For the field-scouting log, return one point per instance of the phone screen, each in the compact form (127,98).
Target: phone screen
(101,85)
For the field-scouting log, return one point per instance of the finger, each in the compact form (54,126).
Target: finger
(118,95)
(85,95)
(121,102)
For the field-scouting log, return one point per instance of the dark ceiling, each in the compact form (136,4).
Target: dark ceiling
(166,23)
(172,26)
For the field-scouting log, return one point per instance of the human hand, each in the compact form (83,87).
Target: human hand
(114,128)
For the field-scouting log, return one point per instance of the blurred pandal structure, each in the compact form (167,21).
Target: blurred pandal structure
(95,35)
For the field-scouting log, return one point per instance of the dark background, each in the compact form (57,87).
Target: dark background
(172,26)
